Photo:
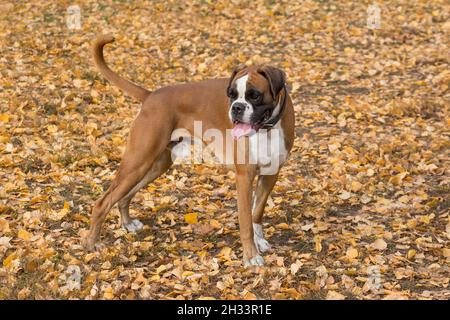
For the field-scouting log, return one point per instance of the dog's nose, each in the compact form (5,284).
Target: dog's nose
(238,108)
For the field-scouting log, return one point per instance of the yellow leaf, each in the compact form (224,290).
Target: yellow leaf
(280,261)
(250,296)
(280,296)
(214,223)
(283,226)
(78,83)
(318,243)
(65,209)
(117,140)
(52,128)
(108,293)
(186,274)
(333,295)
(161,268)
(446,252)
(24,293)
(94,93)
(292,292)
(411,254)
(4,225)
(155,278)
(379,244)
(24,235)
(4,117)
(425,219)
(79,217)
(296,266)
(398,178)
(412,223)
(56,216)
(351,253)
(190,218)
(224,252)
(202,67)
(88,257)
(9,259)
(345,195)
(295,86)
(349,51)
(356,186)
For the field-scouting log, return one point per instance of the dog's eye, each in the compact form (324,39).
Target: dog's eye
(232,93)
(253,95)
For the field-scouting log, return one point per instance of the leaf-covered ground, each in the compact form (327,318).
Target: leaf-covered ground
(361,210)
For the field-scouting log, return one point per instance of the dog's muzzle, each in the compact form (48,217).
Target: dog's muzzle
(237,110)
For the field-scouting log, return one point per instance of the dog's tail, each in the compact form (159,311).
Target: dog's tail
(127,86)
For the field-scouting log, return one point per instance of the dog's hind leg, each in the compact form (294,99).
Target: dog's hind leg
(161,165)
(148,139)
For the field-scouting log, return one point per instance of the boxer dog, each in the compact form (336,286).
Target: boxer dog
(253,101)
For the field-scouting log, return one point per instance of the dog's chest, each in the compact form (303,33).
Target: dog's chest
(268,149)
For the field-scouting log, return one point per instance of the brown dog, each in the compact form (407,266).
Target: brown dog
(251,107)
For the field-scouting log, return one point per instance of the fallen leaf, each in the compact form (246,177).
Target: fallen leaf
(283,226)
(333,295)
(52,128)
(296,266)
(345,195)
(411,254)
(351,253)
(379,244)
(317,243)
(24,235)
(356,186)
(4,226)
(4,117)
(446,252)
(191,218)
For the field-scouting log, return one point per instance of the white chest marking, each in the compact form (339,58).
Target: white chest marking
(268,149)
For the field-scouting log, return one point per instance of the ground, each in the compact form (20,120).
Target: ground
(361,210)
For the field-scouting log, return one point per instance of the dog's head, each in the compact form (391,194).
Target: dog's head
(254,94)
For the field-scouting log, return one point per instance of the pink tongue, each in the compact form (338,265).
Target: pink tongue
(241,129)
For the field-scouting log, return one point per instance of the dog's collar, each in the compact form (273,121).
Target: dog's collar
(272,121)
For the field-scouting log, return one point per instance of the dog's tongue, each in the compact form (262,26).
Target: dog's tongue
(241,129)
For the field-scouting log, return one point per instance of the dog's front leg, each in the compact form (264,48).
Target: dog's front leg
(245,175)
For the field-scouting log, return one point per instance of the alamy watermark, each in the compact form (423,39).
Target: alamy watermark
(373,278)
(373,16)
(264,148)
(73,17)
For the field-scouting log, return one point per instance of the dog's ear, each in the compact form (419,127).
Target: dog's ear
(233,74)
(276,78)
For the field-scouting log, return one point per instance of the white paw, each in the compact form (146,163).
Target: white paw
(261,244)
(255,261)
(133,226)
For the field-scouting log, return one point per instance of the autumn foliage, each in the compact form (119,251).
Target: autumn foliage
(361,210)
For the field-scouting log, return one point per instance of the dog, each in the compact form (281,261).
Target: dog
(253,101)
